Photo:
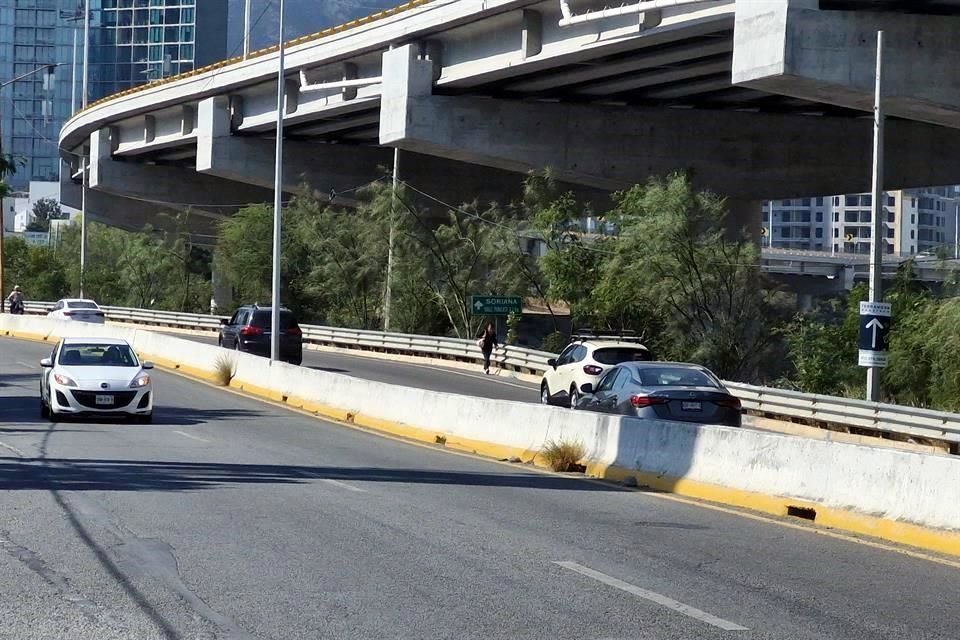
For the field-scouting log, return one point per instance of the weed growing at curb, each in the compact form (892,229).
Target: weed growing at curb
(224,369)
(564,456)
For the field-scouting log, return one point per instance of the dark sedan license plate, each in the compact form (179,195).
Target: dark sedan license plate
(692,406)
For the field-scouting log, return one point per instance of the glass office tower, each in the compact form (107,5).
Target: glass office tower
(133,42)
(34,34)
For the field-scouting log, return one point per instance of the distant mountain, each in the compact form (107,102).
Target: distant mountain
(302,17)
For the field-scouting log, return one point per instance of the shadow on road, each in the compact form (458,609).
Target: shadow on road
(64,474)
(17,379)
(186,416)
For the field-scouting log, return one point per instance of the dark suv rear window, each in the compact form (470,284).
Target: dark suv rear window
(261,318)
(616,355)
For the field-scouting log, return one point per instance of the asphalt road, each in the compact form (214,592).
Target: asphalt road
(421,376)
(232,518)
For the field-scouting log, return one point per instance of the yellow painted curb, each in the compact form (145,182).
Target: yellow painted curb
(906,533)
(938,541)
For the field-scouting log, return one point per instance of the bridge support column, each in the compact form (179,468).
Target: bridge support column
(794,48)
(746,156)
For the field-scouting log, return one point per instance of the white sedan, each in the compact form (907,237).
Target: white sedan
(77,309)
(98,377)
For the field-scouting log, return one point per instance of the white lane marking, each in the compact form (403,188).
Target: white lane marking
(26,366)
(13,449)
(191,436)
(652,596)
(337,483)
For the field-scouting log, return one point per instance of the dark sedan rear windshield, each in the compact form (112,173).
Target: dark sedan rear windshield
(674,377)
(261,318)
(616,355)
(82,305)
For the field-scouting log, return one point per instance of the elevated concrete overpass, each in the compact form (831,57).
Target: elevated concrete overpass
(756,99)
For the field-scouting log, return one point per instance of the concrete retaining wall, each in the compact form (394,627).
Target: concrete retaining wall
(899,495)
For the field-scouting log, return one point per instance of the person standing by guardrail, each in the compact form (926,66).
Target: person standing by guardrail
(487,340)
(16,301)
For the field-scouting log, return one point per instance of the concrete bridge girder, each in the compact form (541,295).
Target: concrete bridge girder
(793,48)
(746,156)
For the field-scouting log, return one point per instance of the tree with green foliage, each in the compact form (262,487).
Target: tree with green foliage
(45,210)
(696,286)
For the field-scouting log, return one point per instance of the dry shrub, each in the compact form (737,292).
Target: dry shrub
(564,455)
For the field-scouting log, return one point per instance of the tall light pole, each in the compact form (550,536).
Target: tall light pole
(85,159)
(246,28)
(388,292)
(74,17)
(876,242)
(277,203)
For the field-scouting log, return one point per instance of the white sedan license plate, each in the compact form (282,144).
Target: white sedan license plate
(104,400)
(692,406)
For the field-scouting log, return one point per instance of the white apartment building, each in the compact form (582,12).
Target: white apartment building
(916,221)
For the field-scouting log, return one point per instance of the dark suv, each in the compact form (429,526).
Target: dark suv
(249,331)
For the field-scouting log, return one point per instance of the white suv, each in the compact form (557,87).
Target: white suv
(585,361)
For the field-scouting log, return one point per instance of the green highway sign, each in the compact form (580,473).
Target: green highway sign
(495,305)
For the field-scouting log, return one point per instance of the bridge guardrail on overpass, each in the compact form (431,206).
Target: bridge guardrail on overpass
(868,416)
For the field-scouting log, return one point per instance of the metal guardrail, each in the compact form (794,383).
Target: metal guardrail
(866,416)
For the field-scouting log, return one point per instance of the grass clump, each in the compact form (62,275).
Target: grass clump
(564,455)
(224,369)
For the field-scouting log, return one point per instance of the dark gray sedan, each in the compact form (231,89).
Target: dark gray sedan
(663,391)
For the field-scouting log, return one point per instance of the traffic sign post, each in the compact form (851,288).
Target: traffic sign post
(495,305)
(875,323)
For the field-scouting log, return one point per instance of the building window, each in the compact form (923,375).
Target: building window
(836,216)
(836,233)
(891,201)
(819,232)
(819,216)
(852,201)
(913,218)
(912,233)
(786,216)
(891,216)
(889,232)
(836,201)
(819,202)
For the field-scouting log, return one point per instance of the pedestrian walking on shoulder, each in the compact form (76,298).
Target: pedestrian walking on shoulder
(487,340)
(16,300)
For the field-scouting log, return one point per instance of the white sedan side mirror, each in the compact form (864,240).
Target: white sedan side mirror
(46,363)
(147,365)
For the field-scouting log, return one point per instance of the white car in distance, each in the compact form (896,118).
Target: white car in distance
(585,360)
(95,377)
(78,310)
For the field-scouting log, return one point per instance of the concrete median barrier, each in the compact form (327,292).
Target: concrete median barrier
(902,496)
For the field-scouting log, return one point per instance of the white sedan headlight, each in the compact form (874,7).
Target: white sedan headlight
(66,381)
(140,381)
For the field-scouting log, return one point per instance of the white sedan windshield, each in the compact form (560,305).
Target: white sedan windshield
(97,355)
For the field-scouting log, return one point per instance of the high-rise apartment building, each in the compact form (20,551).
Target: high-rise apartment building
(136,41)
(915,221)
(34,34)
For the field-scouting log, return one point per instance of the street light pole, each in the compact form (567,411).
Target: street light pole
(876,253)
(246,29)
(277,203)
(84,161)
(388,292)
